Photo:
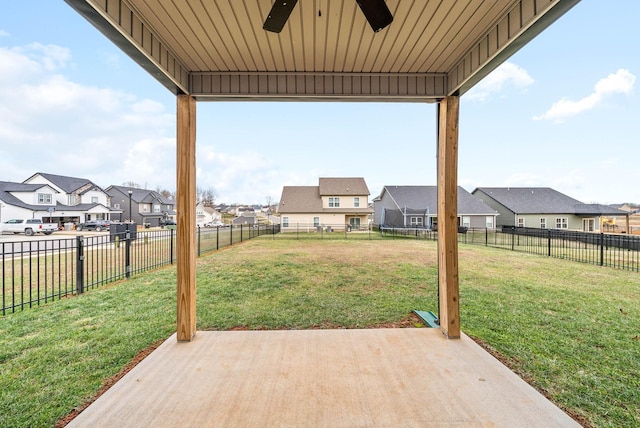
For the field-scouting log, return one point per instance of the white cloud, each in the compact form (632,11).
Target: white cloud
(507,74)
(4,33)
(620,82)
(79,130)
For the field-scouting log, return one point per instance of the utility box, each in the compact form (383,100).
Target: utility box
(120,230)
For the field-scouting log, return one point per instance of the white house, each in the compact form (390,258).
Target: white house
(54,198)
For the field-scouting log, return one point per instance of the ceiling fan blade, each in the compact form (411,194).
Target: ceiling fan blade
(376,12)
(279,15)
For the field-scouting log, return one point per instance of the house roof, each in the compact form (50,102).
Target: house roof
(308,199)
(66,184)
(141,195)
(8,198)
(300,199)
(343,186)
(543,200)
(422,198)
(6,187)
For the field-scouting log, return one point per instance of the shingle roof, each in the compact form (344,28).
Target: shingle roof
(543,200)
(142,195)
(308,199)
(8,186)
(343,186)
(8,198)
(599,209)
(421,198)
(68,184)
(300,199)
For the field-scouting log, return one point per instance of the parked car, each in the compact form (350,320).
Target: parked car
(28,226)
(97,225)
(214,224)
(167,222)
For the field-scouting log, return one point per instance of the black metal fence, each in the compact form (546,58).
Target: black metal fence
(327,231)
(39,271)
(620,251)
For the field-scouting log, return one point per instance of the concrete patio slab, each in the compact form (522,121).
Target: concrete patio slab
(322,378)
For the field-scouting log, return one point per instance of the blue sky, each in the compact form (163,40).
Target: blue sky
(562,113)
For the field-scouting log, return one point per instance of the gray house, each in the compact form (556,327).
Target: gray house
(545,208)
(417,207)
(141,205)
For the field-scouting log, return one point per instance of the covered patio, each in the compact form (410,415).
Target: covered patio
(315,50)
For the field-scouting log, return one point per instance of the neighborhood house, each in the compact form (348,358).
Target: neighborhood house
(544,208)
(55,199)
(417,207)
(335,204)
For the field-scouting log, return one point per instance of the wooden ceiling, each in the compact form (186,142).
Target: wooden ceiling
(218,49)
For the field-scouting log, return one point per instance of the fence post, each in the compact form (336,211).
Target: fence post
(199,242)
(513,238)
(79,265)
(127,252)
(486,236)
(171,246)
(217,238)
(601,249)
(231,234)
(549,243)
(241,232)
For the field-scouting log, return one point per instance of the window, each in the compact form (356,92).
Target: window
(489,222)
(466,221)
(72,199)
(356,202)
(562,223)
(316,221)
(285,221)
(156,208)
(44,198)
(94,199)
(334,202)
(543,223)
(116,206)
(416,221)
(520,222)
(145,208)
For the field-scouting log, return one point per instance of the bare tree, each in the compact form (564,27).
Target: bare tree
(131,184)
(166,193)
(207,196)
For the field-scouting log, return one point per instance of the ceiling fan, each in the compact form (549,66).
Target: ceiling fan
(376,11)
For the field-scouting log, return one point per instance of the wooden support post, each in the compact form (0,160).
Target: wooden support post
(186,227)
(448,217)
(628,225)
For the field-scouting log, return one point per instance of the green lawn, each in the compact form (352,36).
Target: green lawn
(570,329)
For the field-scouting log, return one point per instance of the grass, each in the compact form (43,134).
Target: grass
(570,329)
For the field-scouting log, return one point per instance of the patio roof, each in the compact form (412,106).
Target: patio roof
(217,49)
